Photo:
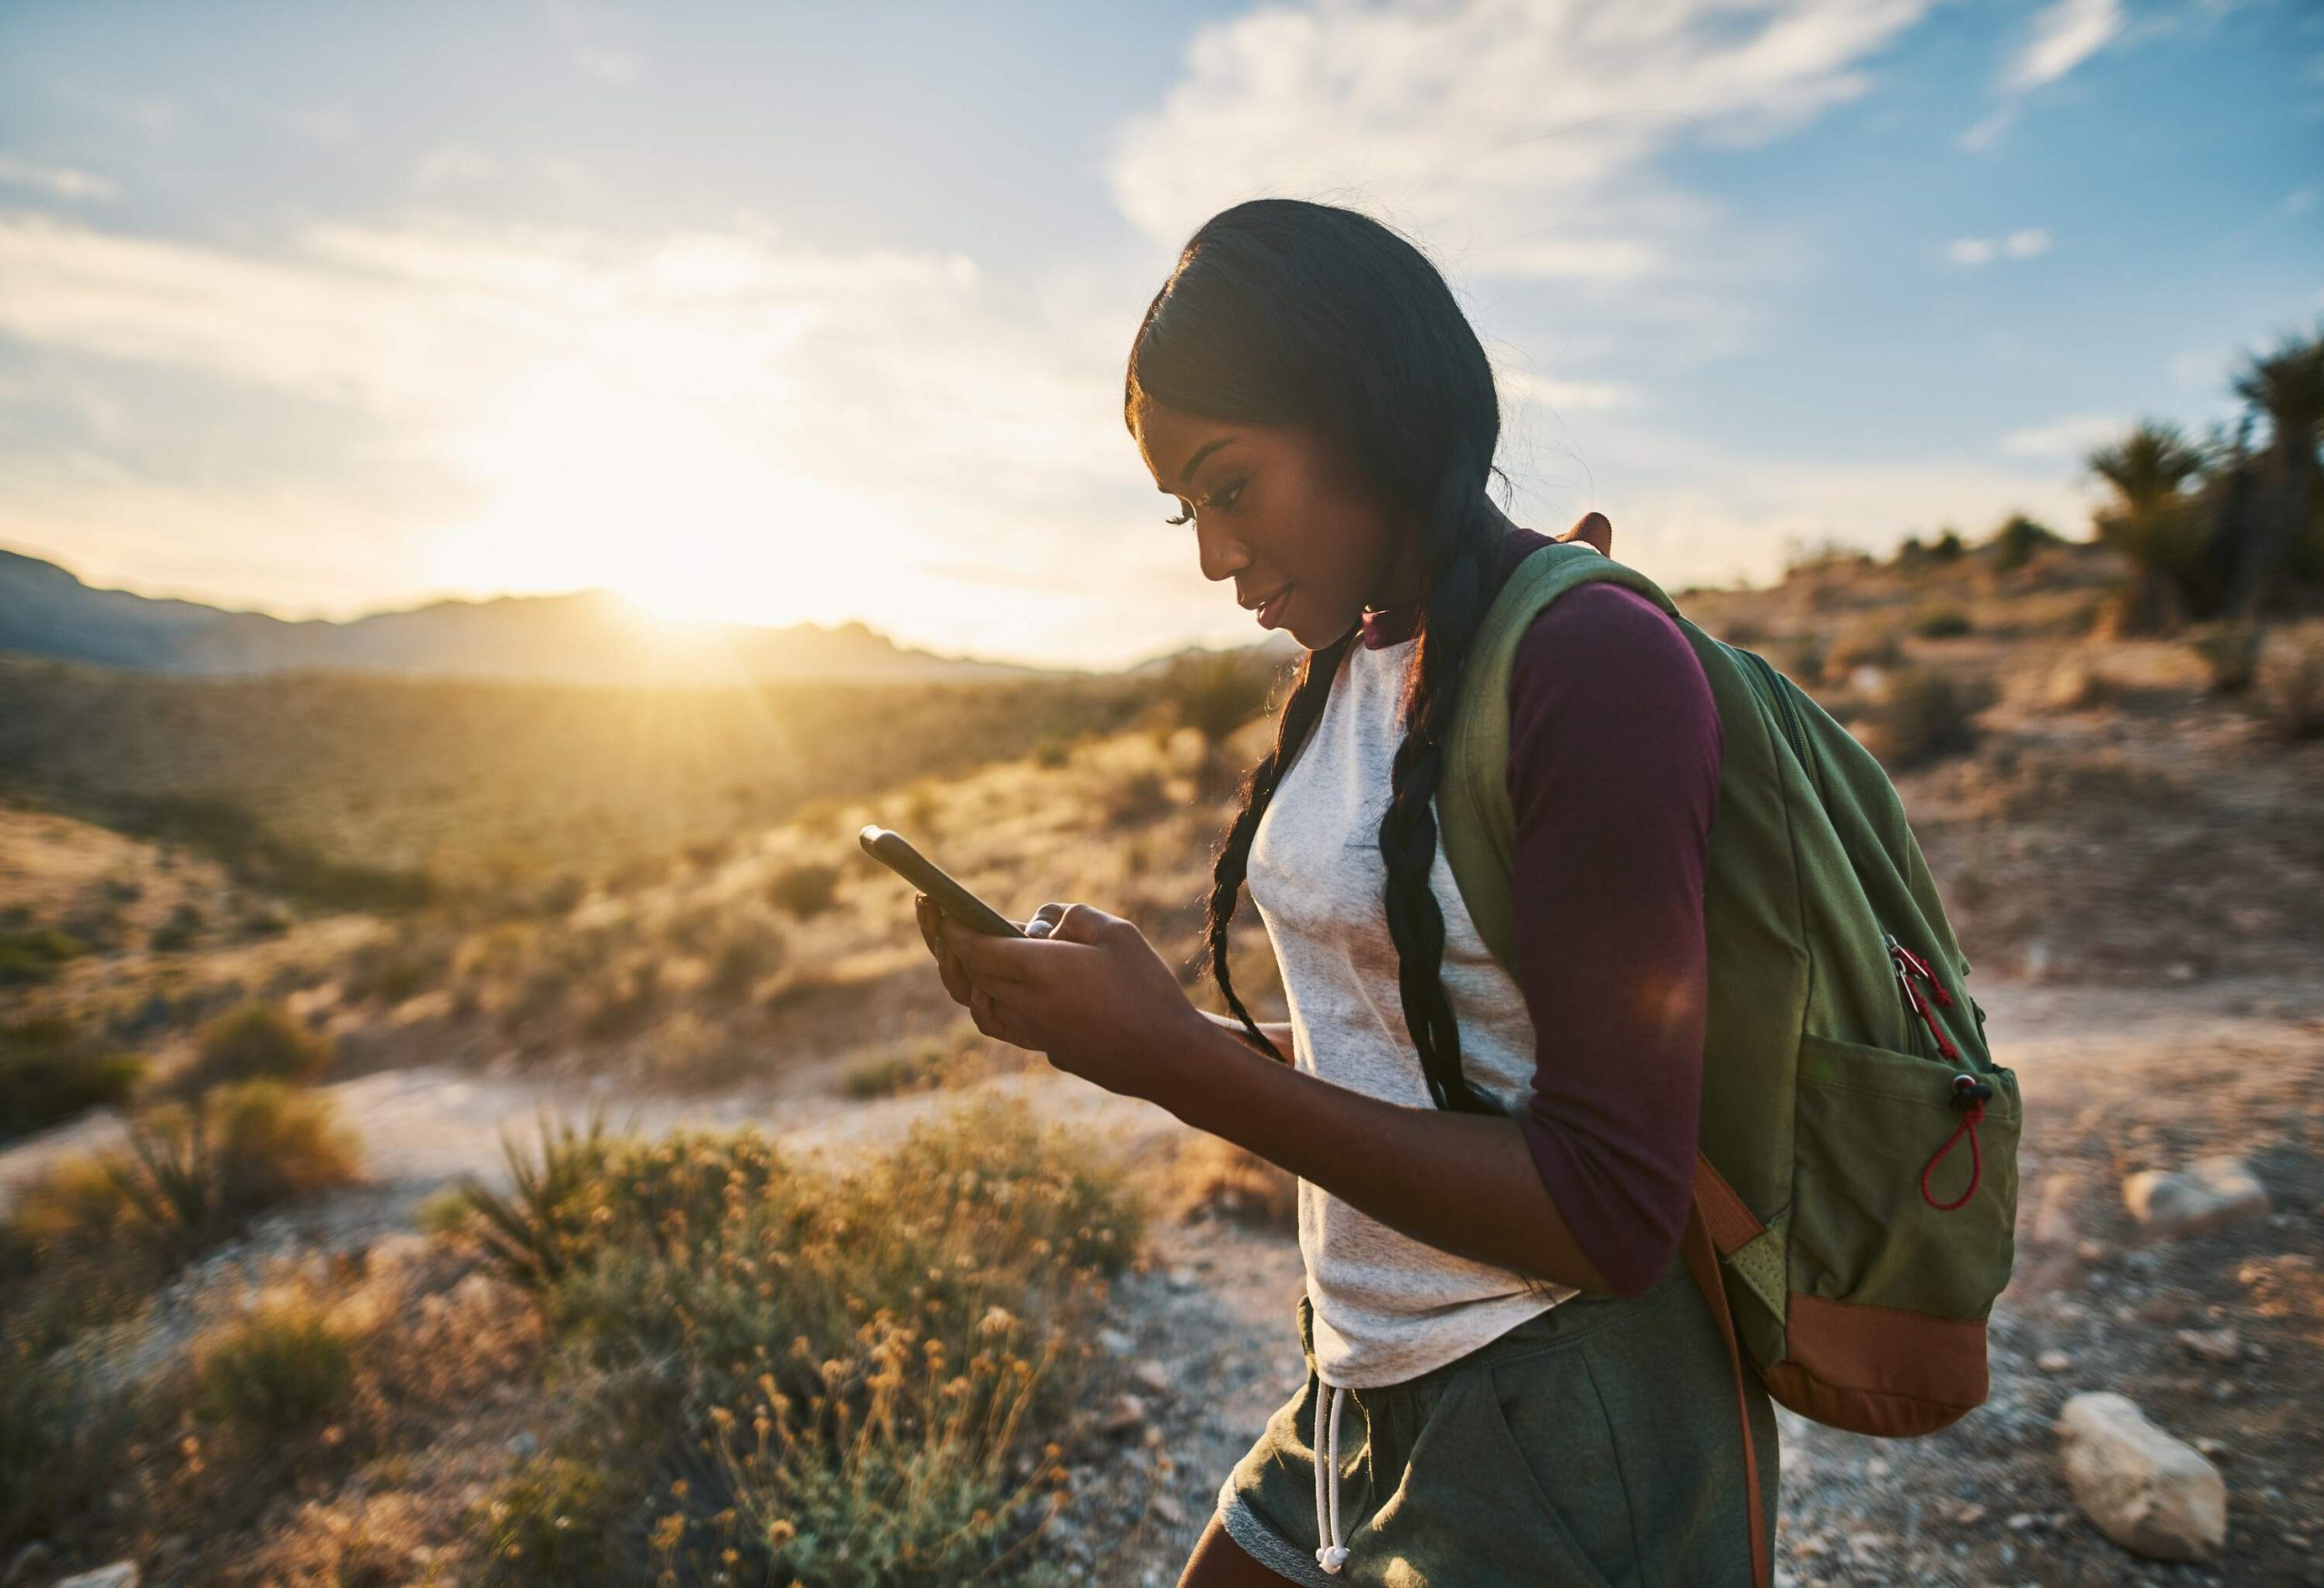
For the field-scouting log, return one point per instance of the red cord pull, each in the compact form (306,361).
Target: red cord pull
(1919,967)
(1920,1007)
(1969,1095)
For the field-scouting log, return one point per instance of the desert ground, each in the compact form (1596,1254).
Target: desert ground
(365,1380)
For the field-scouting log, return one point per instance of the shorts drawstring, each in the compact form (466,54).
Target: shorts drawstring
(1330,1555)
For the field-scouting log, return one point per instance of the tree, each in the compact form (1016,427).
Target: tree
(2288,386)
(2153,521)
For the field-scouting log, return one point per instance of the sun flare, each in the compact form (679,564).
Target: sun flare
(591,483)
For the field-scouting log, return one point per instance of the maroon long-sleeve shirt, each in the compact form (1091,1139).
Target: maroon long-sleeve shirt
(1613,774)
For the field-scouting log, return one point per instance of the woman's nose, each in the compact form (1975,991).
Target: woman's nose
(1222,557)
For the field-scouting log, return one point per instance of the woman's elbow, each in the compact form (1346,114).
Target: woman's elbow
(1637,1263)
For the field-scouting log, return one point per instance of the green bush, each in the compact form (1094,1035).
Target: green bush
(35,955)
(283,1368)
(2015,542)
(49,1070)
(191,1175)
(254,1041)
(903,1070)
(877,1361)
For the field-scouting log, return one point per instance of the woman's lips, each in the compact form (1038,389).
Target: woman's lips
(1272,612)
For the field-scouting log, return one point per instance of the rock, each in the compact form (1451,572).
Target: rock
(1153,1376)
(2210,1345)
(2209,1194)
(2147,1492)
(2053,1361)
(1116,1343)
(1168,1508)
(1127,1415)
(1182,1278)
(120,1574)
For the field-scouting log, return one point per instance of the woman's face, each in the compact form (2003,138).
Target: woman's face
(1277,510)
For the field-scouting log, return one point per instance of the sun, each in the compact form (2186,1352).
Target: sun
(594,484)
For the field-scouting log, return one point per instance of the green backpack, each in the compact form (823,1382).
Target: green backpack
(1856,1180)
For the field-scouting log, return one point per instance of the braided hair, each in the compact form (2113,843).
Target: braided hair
(1281,311)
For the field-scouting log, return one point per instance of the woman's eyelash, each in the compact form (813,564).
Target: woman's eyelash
(1230,493)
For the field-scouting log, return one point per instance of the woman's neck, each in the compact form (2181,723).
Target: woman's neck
(1408,587)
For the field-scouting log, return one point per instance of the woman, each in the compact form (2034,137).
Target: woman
(1510,1373)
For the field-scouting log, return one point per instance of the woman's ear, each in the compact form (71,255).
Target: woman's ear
(1597,529)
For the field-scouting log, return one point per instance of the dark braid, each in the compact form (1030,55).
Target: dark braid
(1282,310)
(1462,544)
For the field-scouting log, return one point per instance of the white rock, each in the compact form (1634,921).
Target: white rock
(120,1574)
(2208,1194)
(2211,1344)
(2147,1492)
(1153,1375)
(2053,1361)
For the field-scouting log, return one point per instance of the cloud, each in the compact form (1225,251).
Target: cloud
(2072,437)
(1519,386)
(2028,243)
(2063,36)
(63,181)
(2066,34)
(1521,138)
(808,431)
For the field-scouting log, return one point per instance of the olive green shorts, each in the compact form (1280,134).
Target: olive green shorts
(1593,1445)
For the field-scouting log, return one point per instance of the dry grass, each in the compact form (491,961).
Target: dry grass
(1212,1177)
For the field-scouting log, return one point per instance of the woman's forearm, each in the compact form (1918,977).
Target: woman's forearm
(1277,1031)
(1463,1183)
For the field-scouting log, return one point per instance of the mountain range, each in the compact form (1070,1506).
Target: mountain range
(590,637)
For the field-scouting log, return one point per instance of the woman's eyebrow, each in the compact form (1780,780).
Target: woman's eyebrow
(1186,475)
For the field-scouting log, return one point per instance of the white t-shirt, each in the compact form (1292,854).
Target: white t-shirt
(1387,1307)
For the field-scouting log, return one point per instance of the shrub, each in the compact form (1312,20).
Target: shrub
(283,1367)
(751,950)
(49,1070)
(904,1069)
(402,966)
(35,955)
(179,931)
(1217,692)
(252,1042)
(1860,645)
(876,1361)
(1924,714)
(1136,799)
(2231,652)
(192,1173)
(1942,623)
(2288,687)
(806,889)
(2015,542)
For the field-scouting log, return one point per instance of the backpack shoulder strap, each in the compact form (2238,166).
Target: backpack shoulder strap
(1477,825)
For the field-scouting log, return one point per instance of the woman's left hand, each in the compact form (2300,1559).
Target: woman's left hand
(1087,989)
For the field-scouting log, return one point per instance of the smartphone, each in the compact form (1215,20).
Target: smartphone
(890,850)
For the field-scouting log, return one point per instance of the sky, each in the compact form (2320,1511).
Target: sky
(786,313)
